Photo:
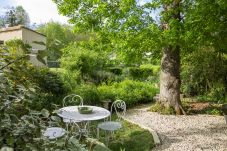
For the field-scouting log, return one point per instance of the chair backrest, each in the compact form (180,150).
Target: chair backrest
(72,99)
(119,107)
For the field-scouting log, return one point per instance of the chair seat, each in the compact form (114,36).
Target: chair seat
(110,125)
(54,132)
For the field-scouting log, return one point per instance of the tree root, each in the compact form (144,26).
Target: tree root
(180,110)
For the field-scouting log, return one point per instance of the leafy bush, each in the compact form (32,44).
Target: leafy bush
(204,73)
(144,71)
(89,93)
(132,92)
(155,68)
(81,61)
(20,125)
(48,81)
(69,79)
(116,70)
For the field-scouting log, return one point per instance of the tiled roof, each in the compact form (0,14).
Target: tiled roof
(18,28)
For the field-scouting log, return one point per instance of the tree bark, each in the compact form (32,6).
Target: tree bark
(170,67)
(170,79)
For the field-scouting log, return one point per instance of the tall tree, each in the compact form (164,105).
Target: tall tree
(2,21)
(170,62)
(16,16)
(172,35)
(10,17)
(22,17)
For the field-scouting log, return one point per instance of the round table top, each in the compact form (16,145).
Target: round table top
(72,113)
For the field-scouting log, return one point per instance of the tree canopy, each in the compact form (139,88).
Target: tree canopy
(15,16)
(128,28)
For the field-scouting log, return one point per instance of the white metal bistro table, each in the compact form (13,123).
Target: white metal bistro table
(72,113)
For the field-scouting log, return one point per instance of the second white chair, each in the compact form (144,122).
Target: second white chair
(119,107)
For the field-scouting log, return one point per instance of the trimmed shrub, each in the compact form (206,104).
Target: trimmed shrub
(48,81)
(116,70)
(155,68)
(204,73)
(144,71)
(82,62)
(132,92)
(89,93)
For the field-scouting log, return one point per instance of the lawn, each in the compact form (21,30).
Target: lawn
(129,138)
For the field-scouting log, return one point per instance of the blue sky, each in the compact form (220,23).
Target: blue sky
(40,11)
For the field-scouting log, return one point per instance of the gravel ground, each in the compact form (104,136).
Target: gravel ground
(184,133)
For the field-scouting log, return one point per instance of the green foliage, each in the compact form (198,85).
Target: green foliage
(132,92)
(89,93)
(58,37)
(20,126)
(48,81)
(140,73)
(146,72)
(204,73)
(155,68)
(127,29)
(116,70)
(81,63)
(122,27)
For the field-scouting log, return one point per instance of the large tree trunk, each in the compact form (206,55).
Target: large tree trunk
(170,79)
(170,65)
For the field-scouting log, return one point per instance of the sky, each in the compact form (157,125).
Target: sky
(40,11)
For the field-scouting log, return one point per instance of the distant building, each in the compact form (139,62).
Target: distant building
(28,36)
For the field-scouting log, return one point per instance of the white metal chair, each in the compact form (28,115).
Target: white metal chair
(119,107)
(72,99)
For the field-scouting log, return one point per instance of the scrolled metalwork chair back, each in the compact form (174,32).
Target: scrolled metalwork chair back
(119,107)
(72,99)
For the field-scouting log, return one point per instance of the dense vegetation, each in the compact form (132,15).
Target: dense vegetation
(127,30)
(114,54)
(27,90)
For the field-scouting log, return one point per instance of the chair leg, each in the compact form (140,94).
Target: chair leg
(107,135)
(67,126)
(112,134)
(97,133)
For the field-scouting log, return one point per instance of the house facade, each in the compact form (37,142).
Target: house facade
(28,36)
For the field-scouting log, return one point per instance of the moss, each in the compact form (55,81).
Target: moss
(130,138)
(158,107)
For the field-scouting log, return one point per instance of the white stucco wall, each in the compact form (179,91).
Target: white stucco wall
(30,37)
(27,36)
(9,35)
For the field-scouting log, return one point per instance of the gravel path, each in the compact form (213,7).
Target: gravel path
(184,133)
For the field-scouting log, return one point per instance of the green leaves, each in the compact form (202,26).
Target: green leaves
(45,113)
(58,36)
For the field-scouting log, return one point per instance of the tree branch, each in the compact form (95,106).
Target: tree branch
(2,68)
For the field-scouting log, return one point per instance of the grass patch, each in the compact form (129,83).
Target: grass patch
(132,138)
(129,138)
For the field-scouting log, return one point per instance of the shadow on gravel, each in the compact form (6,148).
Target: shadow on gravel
(166,142)
(179,135)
